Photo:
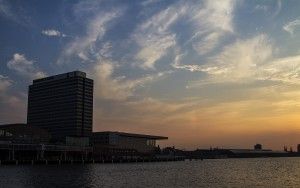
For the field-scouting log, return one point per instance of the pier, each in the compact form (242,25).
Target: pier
(41,154)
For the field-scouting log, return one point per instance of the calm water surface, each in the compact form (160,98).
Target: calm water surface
(265,172)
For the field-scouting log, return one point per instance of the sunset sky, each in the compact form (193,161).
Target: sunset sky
(204,73)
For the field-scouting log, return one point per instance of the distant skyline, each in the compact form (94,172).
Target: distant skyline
(204,73)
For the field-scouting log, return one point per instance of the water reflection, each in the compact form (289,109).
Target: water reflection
(278,172)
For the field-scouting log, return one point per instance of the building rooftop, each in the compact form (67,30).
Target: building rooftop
(60,76)
(132,135)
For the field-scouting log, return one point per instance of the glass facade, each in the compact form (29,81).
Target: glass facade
(62,105)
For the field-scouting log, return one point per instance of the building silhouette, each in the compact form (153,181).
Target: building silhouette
(62,104)
(59,127)
(257,147)
(125,142)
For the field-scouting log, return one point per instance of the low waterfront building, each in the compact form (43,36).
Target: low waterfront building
(126,141)
(23,133)
(249,153)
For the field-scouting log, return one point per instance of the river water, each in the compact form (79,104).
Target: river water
(260,172)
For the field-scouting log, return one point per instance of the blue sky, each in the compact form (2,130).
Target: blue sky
(222,73)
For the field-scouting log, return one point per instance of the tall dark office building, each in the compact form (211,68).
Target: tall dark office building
(62,104)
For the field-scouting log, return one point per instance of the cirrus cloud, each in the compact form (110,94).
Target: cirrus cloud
(24,67)
(291,26)
(84,47)
(53,33)
(117,88)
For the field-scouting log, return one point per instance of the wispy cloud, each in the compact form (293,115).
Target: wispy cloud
(246,61)
(190,67)
(264,8)
(149,2)
(53,33)
(278,8)
(105,50)
(10,12)
(272,9)
(291,26)
(212,20)
(117,88)
(209,21)
(284,69)
(84,47)
(238,62)
(5,82)
(154,36)
(5,10)
(24,67)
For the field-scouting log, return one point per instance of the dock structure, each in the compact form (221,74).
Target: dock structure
(17,154)
(22,143)
(12,151)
